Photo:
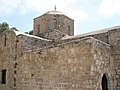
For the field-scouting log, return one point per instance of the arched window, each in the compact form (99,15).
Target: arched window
(104,83)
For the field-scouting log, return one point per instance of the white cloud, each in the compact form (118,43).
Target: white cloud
(109,7)
(62,5)
(7,6)
(26,6)
(43,5)
(76,14)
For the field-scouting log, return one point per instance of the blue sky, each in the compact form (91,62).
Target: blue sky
(89,15)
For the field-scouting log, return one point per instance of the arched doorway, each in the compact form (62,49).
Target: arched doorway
(104,83)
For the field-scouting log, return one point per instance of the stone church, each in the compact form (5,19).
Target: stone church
(54,59)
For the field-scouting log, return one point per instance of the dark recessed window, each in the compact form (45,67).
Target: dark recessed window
(5,40)
(15,65)
(3,78)
(69,30)
(38,27)
(104,83)
(15,72)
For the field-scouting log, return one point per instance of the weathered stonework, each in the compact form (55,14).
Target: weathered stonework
(53,20)
(57,61)
(72,66)
(7,58)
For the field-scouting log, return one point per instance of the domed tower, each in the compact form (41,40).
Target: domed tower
(55,21)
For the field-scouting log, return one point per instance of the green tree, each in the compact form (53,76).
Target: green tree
(31,32)
(14,28)
(3,26)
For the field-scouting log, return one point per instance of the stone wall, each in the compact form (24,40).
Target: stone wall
(100,36)
(13,46)
(114,40)
(34,63)
(29,42)
(53,21)
(77,65)
(102,65)
(7,58)
(54,35)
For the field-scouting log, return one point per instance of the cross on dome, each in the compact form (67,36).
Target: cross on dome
(55,8)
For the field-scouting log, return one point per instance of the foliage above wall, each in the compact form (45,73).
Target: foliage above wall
(5,26)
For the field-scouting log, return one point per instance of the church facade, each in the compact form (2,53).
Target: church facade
(54,59)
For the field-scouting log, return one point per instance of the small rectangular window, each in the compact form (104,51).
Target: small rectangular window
(69,30)
(3,76)
(38,26)
(5,40)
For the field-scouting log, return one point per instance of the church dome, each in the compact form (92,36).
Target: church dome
(54,12)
